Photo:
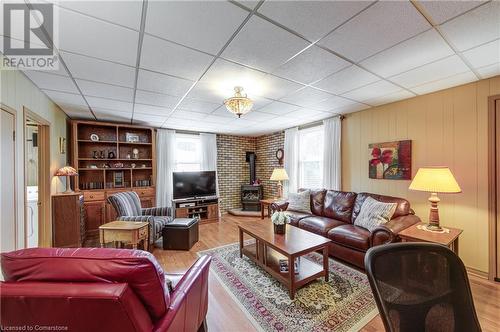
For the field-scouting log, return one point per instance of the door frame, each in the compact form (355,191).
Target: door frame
(493,270)
(44,179)
(16,157)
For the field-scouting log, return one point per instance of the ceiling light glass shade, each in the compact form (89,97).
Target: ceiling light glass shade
(239,104)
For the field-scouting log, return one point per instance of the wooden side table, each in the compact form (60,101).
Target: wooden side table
(125,232)
(414,234)
(266,203)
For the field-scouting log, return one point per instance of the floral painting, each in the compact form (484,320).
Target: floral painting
(390,160)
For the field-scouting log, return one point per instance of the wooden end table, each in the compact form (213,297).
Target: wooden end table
(291,245)
(125,232)
(266,203)
(414,234)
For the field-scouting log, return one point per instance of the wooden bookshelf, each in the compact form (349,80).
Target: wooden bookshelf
(107,165)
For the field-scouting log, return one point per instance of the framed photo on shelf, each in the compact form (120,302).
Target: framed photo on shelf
(118,179)
(131,138)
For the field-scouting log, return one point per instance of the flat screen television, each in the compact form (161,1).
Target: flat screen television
(194,184)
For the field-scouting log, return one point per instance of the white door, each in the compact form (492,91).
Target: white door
(7,184)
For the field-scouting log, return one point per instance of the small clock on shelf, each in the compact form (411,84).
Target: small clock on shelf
(279,156)
(94,138)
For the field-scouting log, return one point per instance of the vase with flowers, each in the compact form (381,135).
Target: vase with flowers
(280,219)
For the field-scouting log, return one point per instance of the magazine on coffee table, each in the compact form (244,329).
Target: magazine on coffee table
(284,265)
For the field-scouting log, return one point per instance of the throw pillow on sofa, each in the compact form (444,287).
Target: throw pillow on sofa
(374,213)
(300,201)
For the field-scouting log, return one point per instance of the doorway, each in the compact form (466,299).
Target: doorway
(37,177)
(494,188)
(8,221)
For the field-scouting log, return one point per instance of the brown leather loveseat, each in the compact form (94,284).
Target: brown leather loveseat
(333,215)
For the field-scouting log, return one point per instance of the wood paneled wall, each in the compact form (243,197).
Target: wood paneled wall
(448,127)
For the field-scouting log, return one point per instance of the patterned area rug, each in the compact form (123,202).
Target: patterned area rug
(345,303)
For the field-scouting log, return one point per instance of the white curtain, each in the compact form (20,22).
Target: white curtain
(291,160)
(332,155)
(165,156)
(209,156)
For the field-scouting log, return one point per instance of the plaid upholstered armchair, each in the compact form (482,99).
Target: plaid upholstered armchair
(128,207)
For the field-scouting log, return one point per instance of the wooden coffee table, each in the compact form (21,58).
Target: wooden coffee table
(124,232)
(291,245)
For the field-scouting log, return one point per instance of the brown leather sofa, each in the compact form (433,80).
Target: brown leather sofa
(333,215)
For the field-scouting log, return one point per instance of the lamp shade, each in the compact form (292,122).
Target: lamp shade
(66,171)
(435,180)
(279,174)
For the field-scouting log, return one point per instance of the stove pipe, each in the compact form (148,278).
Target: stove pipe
(250,158)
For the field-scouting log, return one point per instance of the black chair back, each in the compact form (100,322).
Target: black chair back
(421,287)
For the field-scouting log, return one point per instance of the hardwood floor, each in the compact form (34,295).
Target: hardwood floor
(224,314)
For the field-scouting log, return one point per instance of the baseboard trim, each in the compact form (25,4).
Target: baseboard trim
(477,273)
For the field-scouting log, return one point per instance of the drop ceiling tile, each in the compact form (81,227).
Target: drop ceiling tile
(442,11)
(149,123)
(417,51)
(187,115)
(199,106)
(445,83)
(166,84)
(76,112)
(250,4)
(260,116)
(307,97)
(263,45)
(278,108)
(219,120)
(152,110)
(374,90)
(311,65)
(65,98)
(51,82)
(89,36)
(431,72)
(223,76)
(102,115)
(389,98)
(484,55)
(308,115)
(347,79)
(95,89)
(276,88)
(59,70)
(98,70)
(222,111)
(207,92)
(169,58)
(109,104)
(156,99)
(242,123)
(351,108)
(334,103)
(476,27)
(312,19)
(204,25)
(489,71)
(126,13)
(381,26)
(107,111)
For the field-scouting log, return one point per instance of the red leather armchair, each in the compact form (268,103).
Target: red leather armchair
(91,289)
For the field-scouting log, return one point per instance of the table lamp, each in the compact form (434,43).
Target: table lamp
(67,171)
(434,180)
(279,174)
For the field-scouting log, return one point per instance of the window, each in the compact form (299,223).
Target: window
(311,157)
(187,153)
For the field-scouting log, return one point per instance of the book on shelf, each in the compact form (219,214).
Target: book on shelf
(283,263)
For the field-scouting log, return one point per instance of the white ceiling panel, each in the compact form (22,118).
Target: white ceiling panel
(217,120)
(109,104)
(311,65)
(381,26)
(152,110)
(489,71)
(200,106)
(207,92)
(275,88)
(351,108)
(417,51)
(51,82)
(126,13)
(160,83)
(156,99)
(484,55)
(187,115)
(279,108)
(77,112)
(374,90)
(65,98)
(222,111)
(307,97)
(106,90)
(263,45)
(347,79)
(169,58)
(99,70)
(105,115)
(308,115)
(334,103)
(89,36)
(204,25)
(445,83)
(431,72)
(259,116)
(389,98)
(298,15)
(476,27)
(157,119)
(442,11)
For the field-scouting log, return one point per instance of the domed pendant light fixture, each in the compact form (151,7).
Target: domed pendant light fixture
(239,104)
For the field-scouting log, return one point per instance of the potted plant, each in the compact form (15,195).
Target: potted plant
(280,219)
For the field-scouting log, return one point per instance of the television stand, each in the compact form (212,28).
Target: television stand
(205,208)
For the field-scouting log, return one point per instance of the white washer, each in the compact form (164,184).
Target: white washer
(32,216)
